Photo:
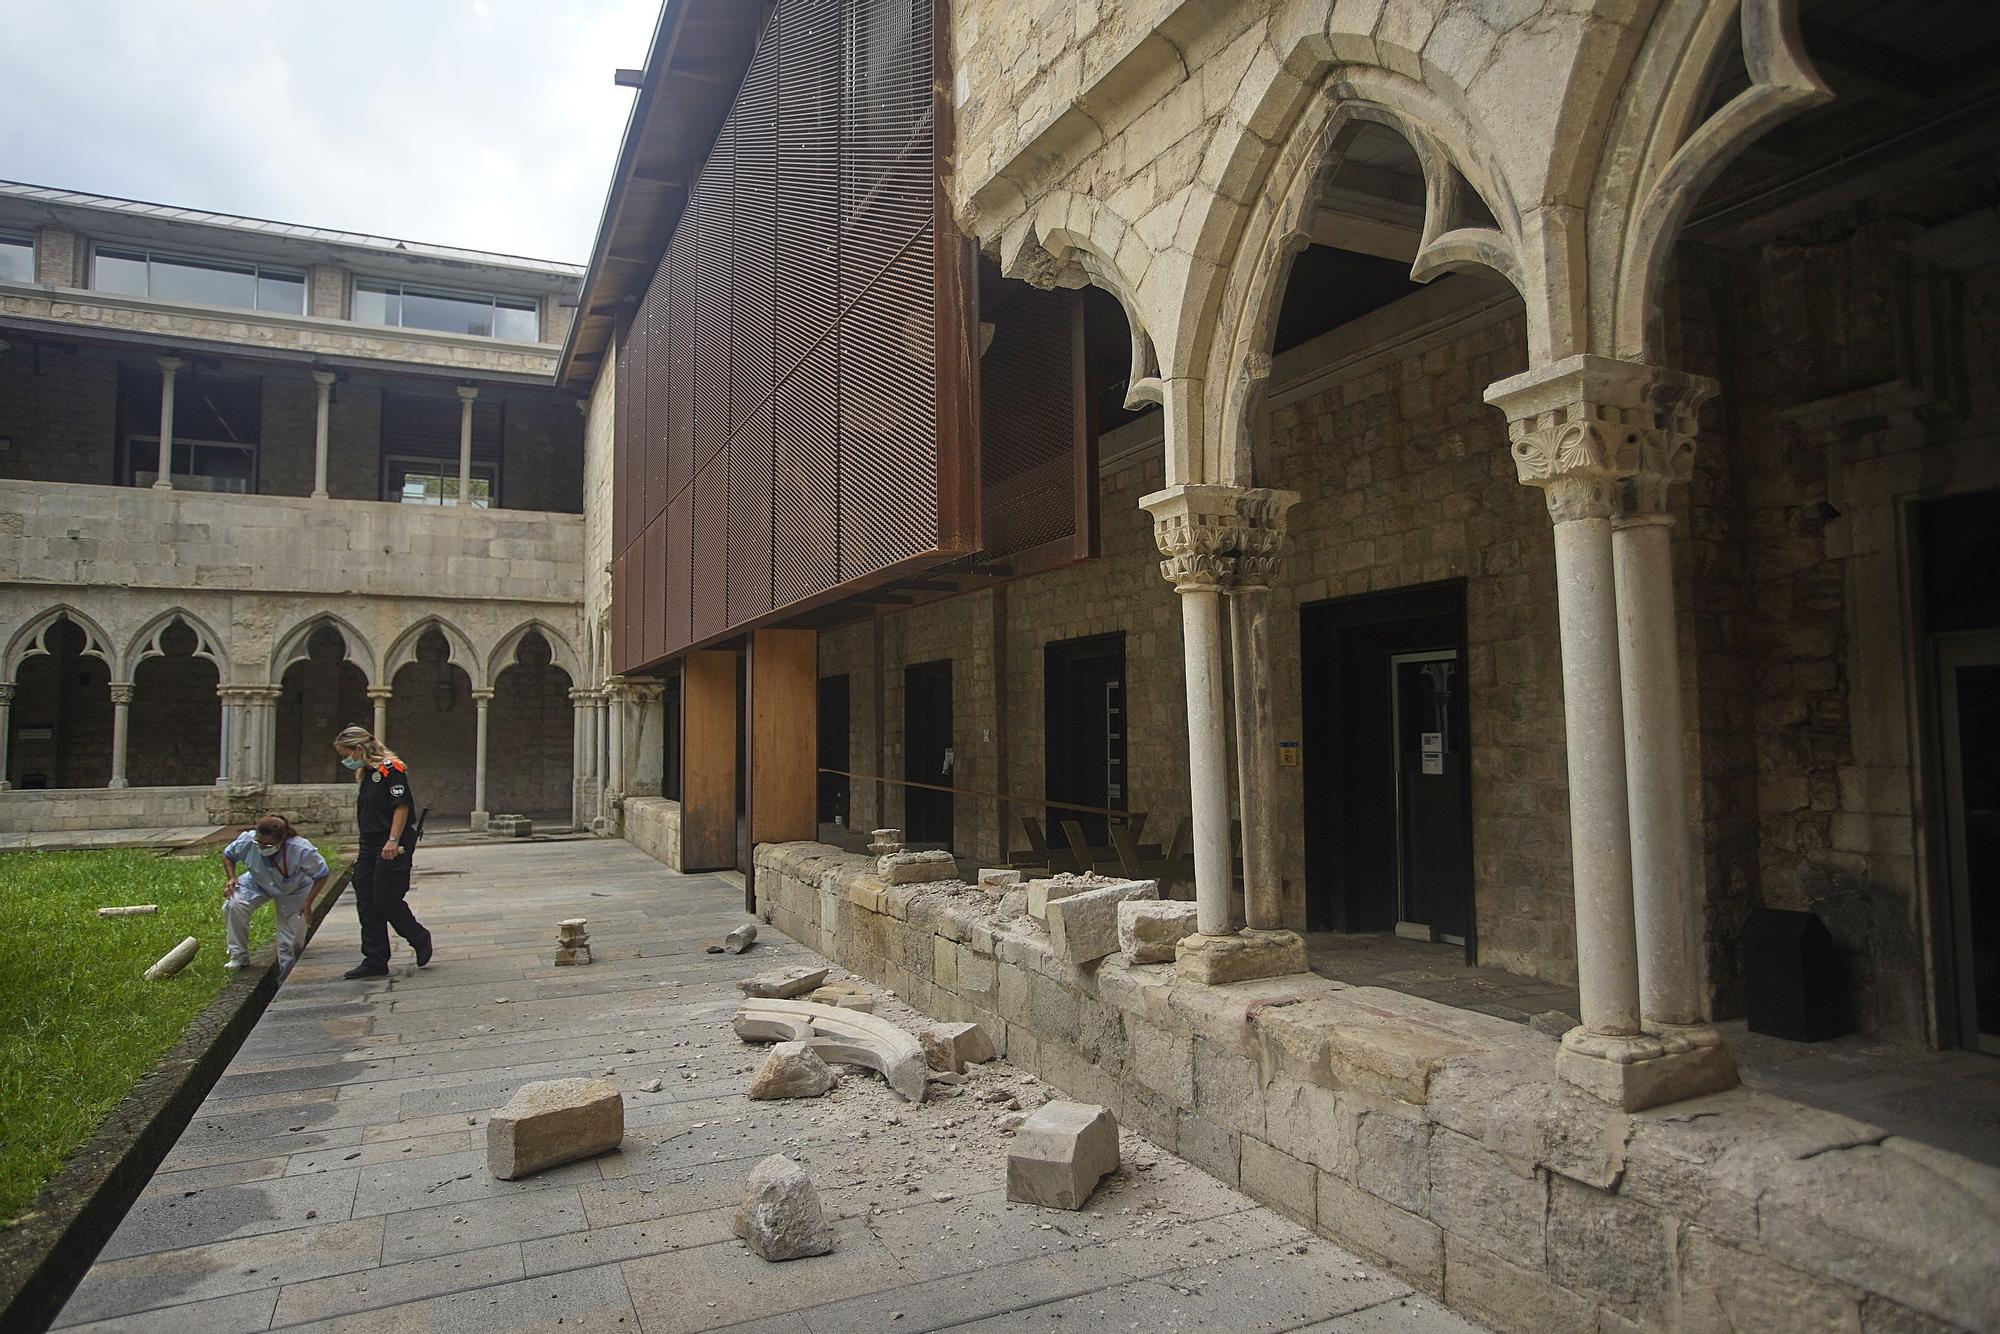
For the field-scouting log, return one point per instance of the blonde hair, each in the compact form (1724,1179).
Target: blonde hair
(372,751)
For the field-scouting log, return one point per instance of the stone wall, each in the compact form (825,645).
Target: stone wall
(1438,1142)
(319,810)
(61,425)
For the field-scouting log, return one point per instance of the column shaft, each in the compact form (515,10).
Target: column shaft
(381,695)
(614,768)
(483,699)
(1208,759)
(465,397)
(164,481)
(1256,754)
(323,381)
(228,714)
(121,726)
(6,731)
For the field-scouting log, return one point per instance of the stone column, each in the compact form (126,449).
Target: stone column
(323,382)
(466,393)
(1575,431)
(168,366)
(121,726)
(1198,529)
(614,756)
(380,696)
(6,729)
(647,739)
(228,714)
(482,698)
(1259,543)
(579,753)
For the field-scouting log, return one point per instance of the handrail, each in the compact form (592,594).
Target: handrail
(1041,802)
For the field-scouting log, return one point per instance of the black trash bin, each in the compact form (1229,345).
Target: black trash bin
(1793,980)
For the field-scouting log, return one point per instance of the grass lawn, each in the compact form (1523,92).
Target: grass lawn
(78,1025)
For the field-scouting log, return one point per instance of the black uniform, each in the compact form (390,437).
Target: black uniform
(380,886)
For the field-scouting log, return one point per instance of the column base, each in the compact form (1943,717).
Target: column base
(1647,1069)
(118,783)
(479,821)
(319,495)
(1213,960)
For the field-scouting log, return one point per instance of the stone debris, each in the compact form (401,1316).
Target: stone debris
(552,1122)
(882,842)
(174,960)
(741,939)
(792,1070)
(510,826)
(780,1216)
(842,1036)
(952,1047)
(998,880)
(845,994)
(131,910)
(917,868)
(1149,929)
(572,941)
(782,983)
(1060,1154)
(1084,926)
(1040,892)
(650,1086)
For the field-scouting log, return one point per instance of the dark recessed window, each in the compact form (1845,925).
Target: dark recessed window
(198,282)
(17,258)
(406,307)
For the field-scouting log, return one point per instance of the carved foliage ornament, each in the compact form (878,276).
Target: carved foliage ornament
(1216,537)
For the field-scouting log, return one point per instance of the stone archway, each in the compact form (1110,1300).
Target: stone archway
(60,720)
(532,734)
(433,724)
(176,720)
(319,694)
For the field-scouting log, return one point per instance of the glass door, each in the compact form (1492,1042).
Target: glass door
(1432,841)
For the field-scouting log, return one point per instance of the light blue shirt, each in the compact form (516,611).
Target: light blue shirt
(286,872)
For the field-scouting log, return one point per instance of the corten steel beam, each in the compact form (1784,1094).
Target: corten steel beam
(784,739)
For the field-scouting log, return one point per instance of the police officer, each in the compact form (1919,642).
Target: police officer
(277,865)
(382,809)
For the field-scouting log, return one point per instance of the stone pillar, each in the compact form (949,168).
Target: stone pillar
(263,712)
(228,715)
(1199,530)
(6,729)
(1576,430)
(648,738)
(323,382)
(482,699)
(380,697)
(579,754)
(168,367)
(466,393)
(121,726)
(236,720)
(614,755)
(1259,543)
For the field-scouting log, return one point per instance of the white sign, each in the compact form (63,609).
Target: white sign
(1432,741)
(1433,762)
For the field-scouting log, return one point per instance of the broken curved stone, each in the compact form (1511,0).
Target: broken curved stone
(780,1215)
(848,1037)
(780,983)
(792,1070)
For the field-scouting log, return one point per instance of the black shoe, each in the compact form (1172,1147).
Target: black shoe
(366,970)
(424,950)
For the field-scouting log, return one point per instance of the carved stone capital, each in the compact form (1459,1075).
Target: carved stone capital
(482,695)
(1600,436)
(6,692)
(121,692)
(1261,539)
(1216,537)
(383,693)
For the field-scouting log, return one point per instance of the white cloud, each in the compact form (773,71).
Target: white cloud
(484,123)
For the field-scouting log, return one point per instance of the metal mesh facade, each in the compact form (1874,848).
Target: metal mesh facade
(793,399)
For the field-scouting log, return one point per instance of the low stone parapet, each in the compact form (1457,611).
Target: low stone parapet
(1438,1141)
(653,825)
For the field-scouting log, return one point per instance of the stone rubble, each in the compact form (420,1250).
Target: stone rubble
(1041,892)
(1149,931)
(174,960)
(572,942)
(551,1122)
(792,1070)
(782,983)
(780,1216)
(1084,926)
(917,868)
(1060,1153)
(741,939)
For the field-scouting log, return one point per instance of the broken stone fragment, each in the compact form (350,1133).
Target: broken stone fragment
(1060,1154)
(131,910)
(917,868)
(780,1215)
(1149,929)
(998,880)
(792,1070)
(1042,892)
(839,1035)
(553,1122)
(952,1047)
(741,938)
(1084,926)
(174,960)
(782,983)
(846,995)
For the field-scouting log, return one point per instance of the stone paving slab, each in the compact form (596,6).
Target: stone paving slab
(335,1179)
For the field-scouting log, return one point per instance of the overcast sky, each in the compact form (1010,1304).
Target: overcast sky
(484,123)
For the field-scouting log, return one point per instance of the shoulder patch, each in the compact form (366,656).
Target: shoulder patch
(397,791)
(378,777)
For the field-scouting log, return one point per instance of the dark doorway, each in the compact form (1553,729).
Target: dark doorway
(1962,616)
(1084,726)
(833,704)
(927,752)
(1387,792)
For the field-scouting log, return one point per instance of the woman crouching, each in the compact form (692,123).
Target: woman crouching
(277,865)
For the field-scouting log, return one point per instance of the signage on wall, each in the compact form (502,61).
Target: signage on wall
(1288,754)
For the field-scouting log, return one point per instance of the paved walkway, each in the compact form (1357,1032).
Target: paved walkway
(335,1179)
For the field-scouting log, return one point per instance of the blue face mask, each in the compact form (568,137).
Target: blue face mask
(348,761)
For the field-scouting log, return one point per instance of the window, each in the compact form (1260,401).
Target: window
(199,465)
(405,307)
(435,482)
(17,258)
(202,282)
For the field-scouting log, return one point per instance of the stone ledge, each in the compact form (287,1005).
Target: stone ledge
(46,1254)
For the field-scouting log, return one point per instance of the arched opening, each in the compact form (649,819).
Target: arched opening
(61,719)
(434,726)
(319,695)
(176,715)
(530,732)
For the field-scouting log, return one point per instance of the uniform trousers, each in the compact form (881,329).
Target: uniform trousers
(380,888)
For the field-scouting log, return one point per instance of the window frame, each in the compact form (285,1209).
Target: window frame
(9,235)
(447,466)
(129,475)
(399,289)
(258,272)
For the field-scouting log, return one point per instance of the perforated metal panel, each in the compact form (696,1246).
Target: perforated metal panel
(1031,427)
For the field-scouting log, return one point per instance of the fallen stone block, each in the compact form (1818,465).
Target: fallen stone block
(998,880)
(843,1036)
(131,910)
(1241,957)
(510,826)
(781,983)
(1084,926)
(572,942)
(882,842)
(1149,930)
(846,995)
(917,868)
(553,1122)
(1060,1153)
(792,1070)
(952,1047)
(741,939)
(175,959)
(1042,892)
(780,1215)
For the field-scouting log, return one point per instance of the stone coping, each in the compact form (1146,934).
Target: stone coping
(1439,1141)
(47,1252)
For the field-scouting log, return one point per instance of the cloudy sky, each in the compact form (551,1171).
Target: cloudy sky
(484,123)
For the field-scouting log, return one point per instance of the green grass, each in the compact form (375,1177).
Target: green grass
(78,1024)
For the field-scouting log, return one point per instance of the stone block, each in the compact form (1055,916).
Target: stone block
(792,1070)
(1615,1250)
(1214,960)
(780,1216)
(952,1047)
(1060,1154)
(998,880)
(1637,1085)
(1279,1180)
(1216,1150)
(917,868)
(510,826)
(1724,1289)
(1507,1296)
(1150,930)
(553,1122)
(846,995)
(1084,927)
(1479,1195)
(1042,892)
(1393,1159)
(1409,1247)
(782,983)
